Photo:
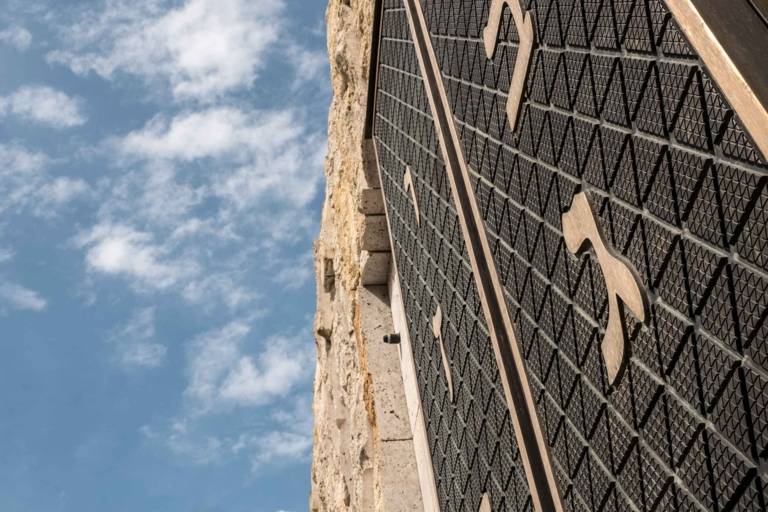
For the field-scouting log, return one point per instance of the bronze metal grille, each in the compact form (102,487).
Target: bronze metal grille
(473,449)
(617,104)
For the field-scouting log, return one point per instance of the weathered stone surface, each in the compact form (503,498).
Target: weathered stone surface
(371,202)
(375,268)
(375,235)
(363,456)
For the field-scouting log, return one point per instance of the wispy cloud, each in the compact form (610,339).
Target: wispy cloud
(308,65)
(200,195)
(122,250)
(135,344)
(183,440)
(6,254)
(208,204)
(251,157)
(279,440)
(273,446)
(222,378)
(17,36)
(200,49)
(258,154)
(45,106)
(290,440)
(19,297)
(221,375)
(25,184)
(294,274)
(233,294)
(213,133)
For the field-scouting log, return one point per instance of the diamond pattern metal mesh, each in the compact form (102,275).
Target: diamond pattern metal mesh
(471,439)
(618,104)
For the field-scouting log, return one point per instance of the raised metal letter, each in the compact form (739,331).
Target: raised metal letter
(437,330)
(581,230)
(409,188)
(485,503)
(525,30)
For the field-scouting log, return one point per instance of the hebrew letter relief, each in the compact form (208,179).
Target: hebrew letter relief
(581,231)
(437,330)
(485,504)
(525,30)
(409,189)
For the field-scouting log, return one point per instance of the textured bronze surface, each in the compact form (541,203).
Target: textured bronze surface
(514,382)
(619,104)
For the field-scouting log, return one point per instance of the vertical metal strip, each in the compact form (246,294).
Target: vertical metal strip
(739,73)
(528,432)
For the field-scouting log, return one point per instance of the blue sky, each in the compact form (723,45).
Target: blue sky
(160,188)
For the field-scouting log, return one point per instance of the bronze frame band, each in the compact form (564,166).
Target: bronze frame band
(529,435)
(730,37)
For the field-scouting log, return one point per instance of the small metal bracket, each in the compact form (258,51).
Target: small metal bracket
(392,339)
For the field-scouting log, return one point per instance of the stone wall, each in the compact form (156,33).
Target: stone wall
(363,451)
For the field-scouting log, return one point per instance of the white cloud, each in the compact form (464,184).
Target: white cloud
(44,105)
(17,159)
(216,132)
(309,65)
(205,192)
(143,354)
(181,440)
(201,49)
(294,275)
(291,441)
(135,344)
(186,438)
(17,36)
(62,190)
(274,446)
(122,250)
(25,184)
(156,196)
(218,285)
(250,158)
(6,254)
(222,375)
(222,378)
(19,297)
(219,132)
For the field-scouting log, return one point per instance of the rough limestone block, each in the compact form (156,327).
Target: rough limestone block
(375,234)
(370,168)
(374,268)
(370,202)
(397,474)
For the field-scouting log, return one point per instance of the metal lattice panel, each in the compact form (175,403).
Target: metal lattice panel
(471,439)
(618,104)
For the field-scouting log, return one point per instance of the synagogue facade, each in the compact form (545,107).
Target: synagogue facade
(543,261)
